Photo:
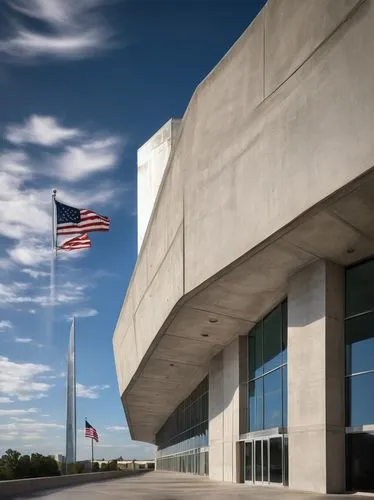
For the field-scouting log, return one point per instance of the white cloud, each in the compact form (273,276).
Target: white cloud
(117,428)
(84,313)
(41,130)
(32,311)
(23,340)
(90,392)
(5,399)
(69,29)
(5,325)
(33,273)
(20,380)
(83,160)
(18,411)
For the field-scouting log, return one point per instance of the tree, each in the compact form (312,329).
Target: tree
(23,468)
(8,464)
(95,467)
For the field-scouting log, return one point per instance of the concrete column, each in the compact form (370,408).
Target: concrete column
(316,404)
(224,413)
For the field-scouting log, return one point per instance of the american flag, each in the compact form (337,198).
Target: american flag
(77,243)
(90,432)
(71,220)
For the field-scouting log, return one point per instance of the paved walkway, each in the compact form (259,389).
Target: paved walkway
(171,486)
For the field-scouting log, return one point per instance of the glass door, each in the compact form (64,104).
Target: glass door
(258,462)
(248,461)
(276,469)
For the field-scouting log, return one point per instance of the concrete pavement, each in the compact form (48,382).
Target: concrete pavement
(173,486)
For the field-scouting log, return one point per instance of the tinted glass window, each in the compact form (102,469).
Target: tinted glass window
(273,400)
(272,339)
(255,405)
(359,340)
(359,289)
(360,392)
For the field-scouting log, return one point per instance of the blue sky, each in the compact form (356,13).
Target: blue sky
(83,84)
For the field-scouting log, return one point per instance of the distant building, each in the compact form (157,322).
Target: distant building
(131,464)
(60,459)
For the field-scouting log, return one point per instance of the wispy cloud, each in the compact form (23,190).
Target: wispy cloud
(5,325)
(41,130)
(5,400)
(23,340)
(69,29)
(93,156)
(33,273)
(17,411)
(20,380)
(83,313)
(90,392)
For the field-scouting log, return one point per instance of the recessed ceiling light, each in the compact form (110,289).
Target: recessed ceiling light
(213,320)
(205,335)
(171,364)
(350,250)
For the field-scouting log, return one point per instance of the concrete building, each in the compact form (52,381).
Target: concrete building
(245,345)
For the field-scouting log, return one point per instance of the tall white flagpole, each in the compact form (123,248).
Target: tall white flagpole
(54,229)
(71,418)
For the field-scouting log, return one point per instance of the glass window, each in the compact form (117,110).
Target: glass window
(360,392)
(258,461)
(272,340)
(360,466)
(255,405)
(255,368)
(359,341)
(265,469)
(273,400)
(285,397)
(276,460)
(284,331)
(359,289)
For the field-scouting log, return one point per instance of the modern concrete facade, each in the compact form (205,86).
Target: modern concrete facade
(152,160)
(241,297)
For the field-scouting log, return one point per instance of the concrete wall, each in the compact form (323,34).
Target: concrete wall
(11,489)
(316,406)
(224,413)
(283,122)
(152,160)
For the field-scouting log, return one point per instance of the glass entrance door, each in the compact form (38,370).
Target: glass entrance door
(266,461)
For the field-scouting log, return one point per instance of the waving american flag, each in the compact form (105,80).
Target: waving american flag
(71,220)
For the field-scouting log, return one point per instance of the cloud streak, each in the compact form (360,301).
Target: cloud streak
(67,29)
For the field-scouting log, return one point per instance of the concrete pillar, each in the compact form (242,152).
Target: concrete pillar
(224,413)
(316,404)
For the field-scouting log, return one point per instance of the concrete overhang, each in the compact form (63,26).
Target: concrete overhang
(340,229)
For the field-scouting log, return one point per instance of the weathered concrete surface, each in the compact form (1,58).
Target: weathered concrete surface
(171,486)
(316,406)
(275,145)
(27,488)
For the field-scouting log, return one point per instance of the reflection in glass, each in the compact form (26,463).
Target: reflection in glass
(265,464)
(272,343)
(360,395)
(285,460)
(284,332)
(276,460)
(255,364)
(359,289)
(258,461)
(273,400)
(248,462)
(255,405)
(359,341)
(285,396)
(360,448)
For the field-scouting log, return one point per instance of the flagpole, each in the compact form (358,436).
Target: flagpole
(92,454)
(54,230)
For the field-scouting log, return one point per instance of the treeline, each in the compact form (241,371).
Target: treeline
(13,465)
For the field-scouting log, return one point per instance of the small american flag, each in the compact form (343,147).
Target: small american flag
(71,220)
(90,432)
(77,243)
